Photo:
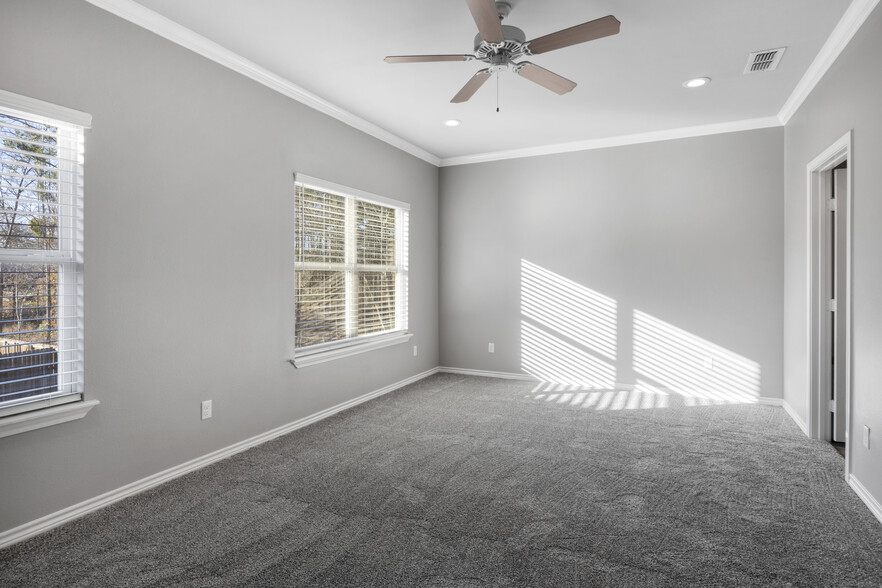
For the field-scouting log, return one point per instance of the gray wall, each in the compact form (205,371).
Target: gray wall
(189,253)
(673,246)
(849,97)
(665,246)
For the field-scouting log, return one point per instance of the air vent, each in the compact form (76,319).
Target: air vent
(764,60)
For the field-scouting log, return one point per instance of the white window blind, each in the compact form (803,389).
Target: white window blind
(41,260)
(351,265)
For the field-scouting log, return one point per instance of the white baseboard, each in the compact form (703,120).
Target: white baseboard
(618,385)
(865,495)
(484,374)
(76,511)
(796,418)
(509,376)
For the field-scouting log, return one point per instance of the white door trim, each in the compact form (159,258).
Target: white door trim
(817,193)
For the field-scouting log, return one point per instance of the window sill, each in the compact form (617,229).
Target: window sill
(45,417)
(307,358)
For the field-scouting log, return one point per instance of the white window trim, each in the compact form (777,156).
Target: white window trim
(31,107)
(45,417)
(316,354)
(330,351)
(51,409)
(326,186)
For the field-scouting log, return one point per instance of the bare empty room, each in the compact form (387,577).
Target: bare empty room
(440,294)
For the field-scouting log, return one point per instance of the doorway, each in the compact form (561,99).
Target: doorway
(830,203)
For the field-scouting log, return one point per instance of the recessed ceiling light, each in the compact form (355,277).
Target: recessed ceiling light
(453,122)
(696,82)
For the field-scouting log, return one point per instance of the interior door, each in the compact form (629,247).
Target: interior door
(838,236)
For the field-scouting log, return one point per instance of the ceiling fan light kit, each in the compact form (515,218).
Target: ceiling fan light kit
(500,46)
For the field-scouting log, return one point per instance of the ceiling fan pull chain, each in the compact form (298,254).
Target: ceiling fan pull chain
(497,91)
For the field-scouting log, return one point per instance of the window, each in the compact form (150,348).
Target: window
(41,265)
(350,273)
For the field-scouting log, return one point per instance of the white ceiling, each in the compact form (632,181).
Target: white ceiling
(629,84)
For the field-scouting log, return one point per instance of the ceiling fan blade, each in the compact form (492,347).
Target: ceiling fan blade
(587,31)
(472,86)
(426,58)
(487,19)
(545,78)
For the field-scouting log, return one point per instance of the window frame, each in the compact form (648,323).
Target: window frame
(68,402)
(353,345)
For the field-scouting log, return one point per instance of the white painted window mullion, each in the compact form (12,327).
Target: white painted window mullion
(352,270)
(401,262)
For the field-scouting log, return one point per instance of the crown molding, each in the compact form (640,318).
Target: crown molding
(855,16)
(652,137)
(172,31)
(851,21)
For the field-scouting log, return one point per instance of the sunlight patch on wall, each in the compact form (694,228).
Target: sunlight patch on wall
(557,362)
(687,365)
(569,344)
(578,313)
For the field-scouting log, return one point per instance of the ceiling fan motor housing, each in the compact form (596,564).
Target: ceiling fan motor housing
(513,47)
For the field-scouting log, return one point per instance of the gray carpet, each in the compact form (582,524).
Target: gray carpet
(468,482)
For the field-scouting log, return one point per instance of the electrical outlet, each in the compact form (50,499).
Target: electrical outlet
(414,350)
(866,437)
(206,409)
(492,348)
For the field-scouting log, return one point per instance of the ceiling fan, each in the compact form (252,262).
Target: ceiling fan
(500,45)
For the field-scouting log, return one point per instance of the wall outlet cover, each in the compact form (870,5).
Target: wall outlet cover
(206,409)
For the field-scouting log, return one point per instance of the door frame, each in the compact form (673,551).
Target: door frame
(818,190)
